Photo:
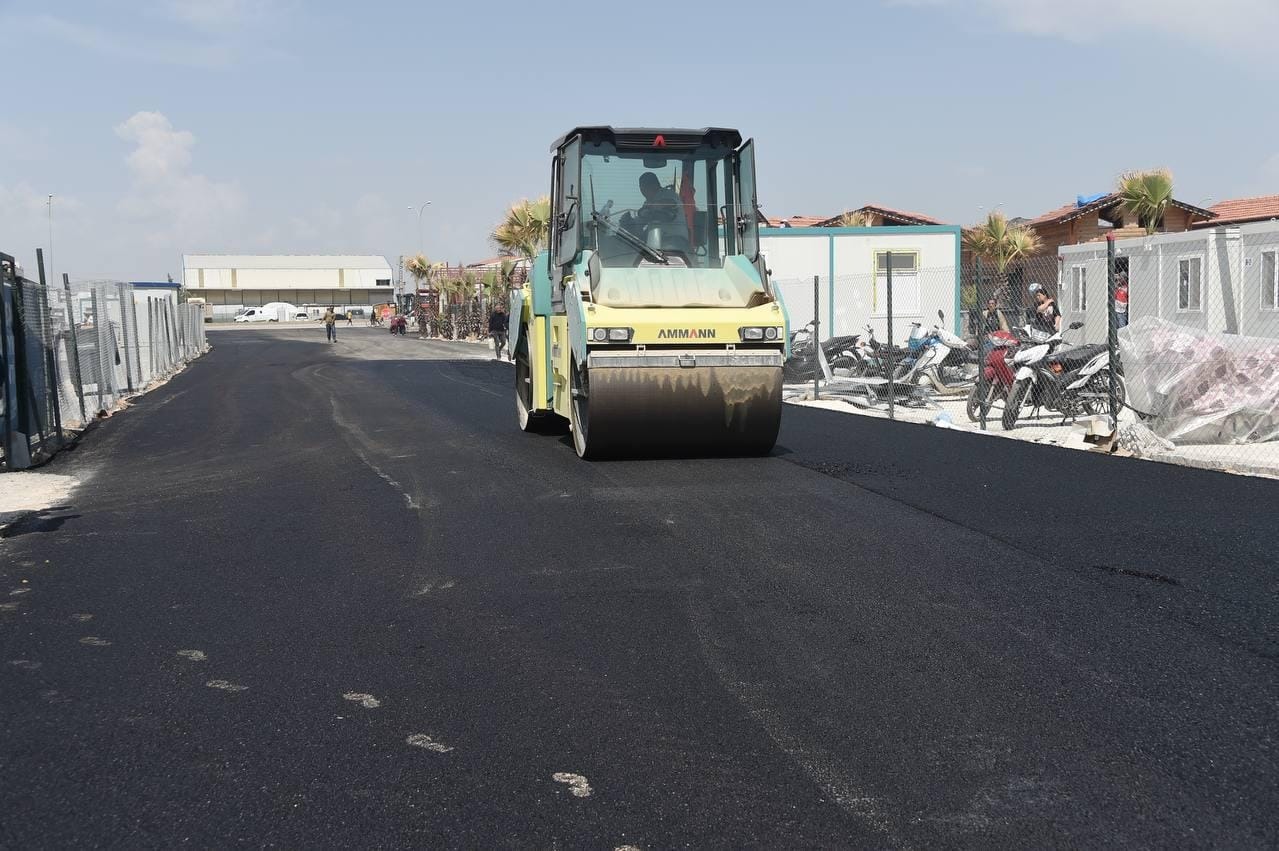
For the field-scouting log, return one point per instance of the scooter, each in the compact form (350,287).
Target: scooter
(940,360)
(1071,381)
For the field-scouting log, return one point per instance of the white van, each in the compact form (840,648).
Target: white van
(276,311)
(255,314)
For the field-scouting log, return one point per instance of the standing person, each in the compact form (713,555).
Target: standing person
(349,319)
(1047,317)
(497,328)
(1121,300)
(330,324)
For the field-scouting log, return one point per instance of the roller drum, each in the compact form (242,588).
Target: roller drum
(705,410)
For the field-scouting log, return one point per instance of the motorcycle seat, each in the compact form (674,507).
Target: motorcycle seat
(1076,356)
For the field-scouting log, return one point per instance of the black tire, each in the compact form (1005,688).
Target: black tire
(529,419)
(976,408)
(1012,408)
(580,408)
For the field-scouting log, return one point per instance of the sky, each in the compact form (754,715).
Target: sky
(164,127)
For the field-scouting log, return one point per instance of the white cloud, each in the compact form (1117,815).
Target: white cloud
(117,45)
(1270,168)
(161,151)
(218,15)
(170,202)
(1243,28)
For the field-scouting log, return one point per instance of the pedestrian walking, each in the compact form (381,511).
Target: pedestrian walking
(350,320)
(330,325)
(498,324)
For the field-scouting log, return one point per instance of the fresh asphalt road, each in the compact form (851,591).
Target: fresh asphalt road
(329,595)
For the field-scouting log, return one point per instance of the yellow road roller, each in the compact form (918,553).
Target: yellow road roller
(649,324)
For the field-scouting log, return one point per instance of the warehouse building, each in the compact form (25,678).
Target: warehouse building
(230,282)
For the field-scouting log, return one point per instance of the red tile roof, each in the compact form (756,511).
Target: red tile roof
(903,216)
(1072,211)
(496,261)
(1244,210)
(796,222)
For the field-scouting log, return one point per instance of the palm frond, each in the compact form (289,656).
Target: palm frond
(1146,195)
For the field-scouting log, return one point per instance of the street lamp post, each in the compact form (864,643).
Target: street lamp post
(421,249)
(50,236)
(420,210)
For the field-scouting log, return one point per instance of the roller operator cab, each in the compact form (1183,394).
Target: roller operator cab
(649,323)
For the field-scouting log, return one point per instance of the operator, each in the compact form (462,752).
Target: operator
(661,206)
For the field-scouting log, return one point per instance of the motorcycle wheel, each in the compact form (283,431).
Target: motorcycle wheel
(1012,408)
(1098,388)
(977,407)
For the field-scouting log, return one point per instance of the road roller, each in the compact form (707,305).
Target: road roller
(648,326)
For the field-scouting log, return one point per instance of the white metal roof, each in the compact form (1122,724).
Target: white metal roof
(285,261)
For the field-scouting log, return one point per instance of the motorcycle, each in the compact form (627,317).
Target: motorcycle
(998,373)
(802,363)
(938,359)
(879,359)
(1072,381)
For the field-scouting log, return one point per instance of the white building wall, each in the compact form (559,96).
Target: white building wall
(1231,286)
(857,298)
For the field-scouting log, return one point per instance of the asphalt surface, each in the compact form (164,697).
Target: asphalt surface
(319,595)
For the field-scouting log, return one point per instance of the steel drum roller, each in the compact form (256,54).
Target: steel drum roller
(634,410)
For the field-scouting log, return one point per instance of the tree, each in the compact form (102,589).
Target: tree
(419,268)
(525,229)
(449,290)
(1146,195)
(1000,244)
(857,219)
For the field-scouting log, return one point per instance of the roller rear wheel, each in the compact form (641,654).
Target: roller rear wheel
(530,419)
(580,408)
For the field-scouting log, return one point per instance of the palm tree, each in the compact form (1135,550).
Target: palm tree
(525,228)
(419,268)
(1145,195)
(449,289)
(1000,244)
(857,219)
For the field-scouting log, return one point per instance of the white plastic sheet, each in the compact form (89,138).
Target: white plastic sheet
(1202,387)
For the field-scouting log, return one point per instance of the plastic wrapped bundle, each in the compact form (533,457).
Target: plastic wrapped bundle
(1202,387)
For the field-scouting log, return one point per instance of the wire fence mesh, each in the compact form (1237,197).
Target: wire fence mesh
(1165,346)
(70,354)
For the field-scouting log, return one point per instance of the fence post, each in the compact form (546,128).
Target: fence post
(892,359)
(1112,337)
(817,338)
(17,444)
(74,348)
(53,384)
(983,386)
(124,336)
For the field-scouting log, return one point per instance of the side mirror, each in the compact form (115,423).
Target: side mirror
(941,316)
(594,270)
(1076,325)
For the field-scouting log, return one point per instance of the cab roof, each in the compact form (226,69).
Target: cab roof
(642,138)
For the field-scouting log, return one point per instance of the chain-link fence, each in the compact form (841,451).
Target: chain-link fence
(1165,346)
(889,338)
(70,354)
(1197,339)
